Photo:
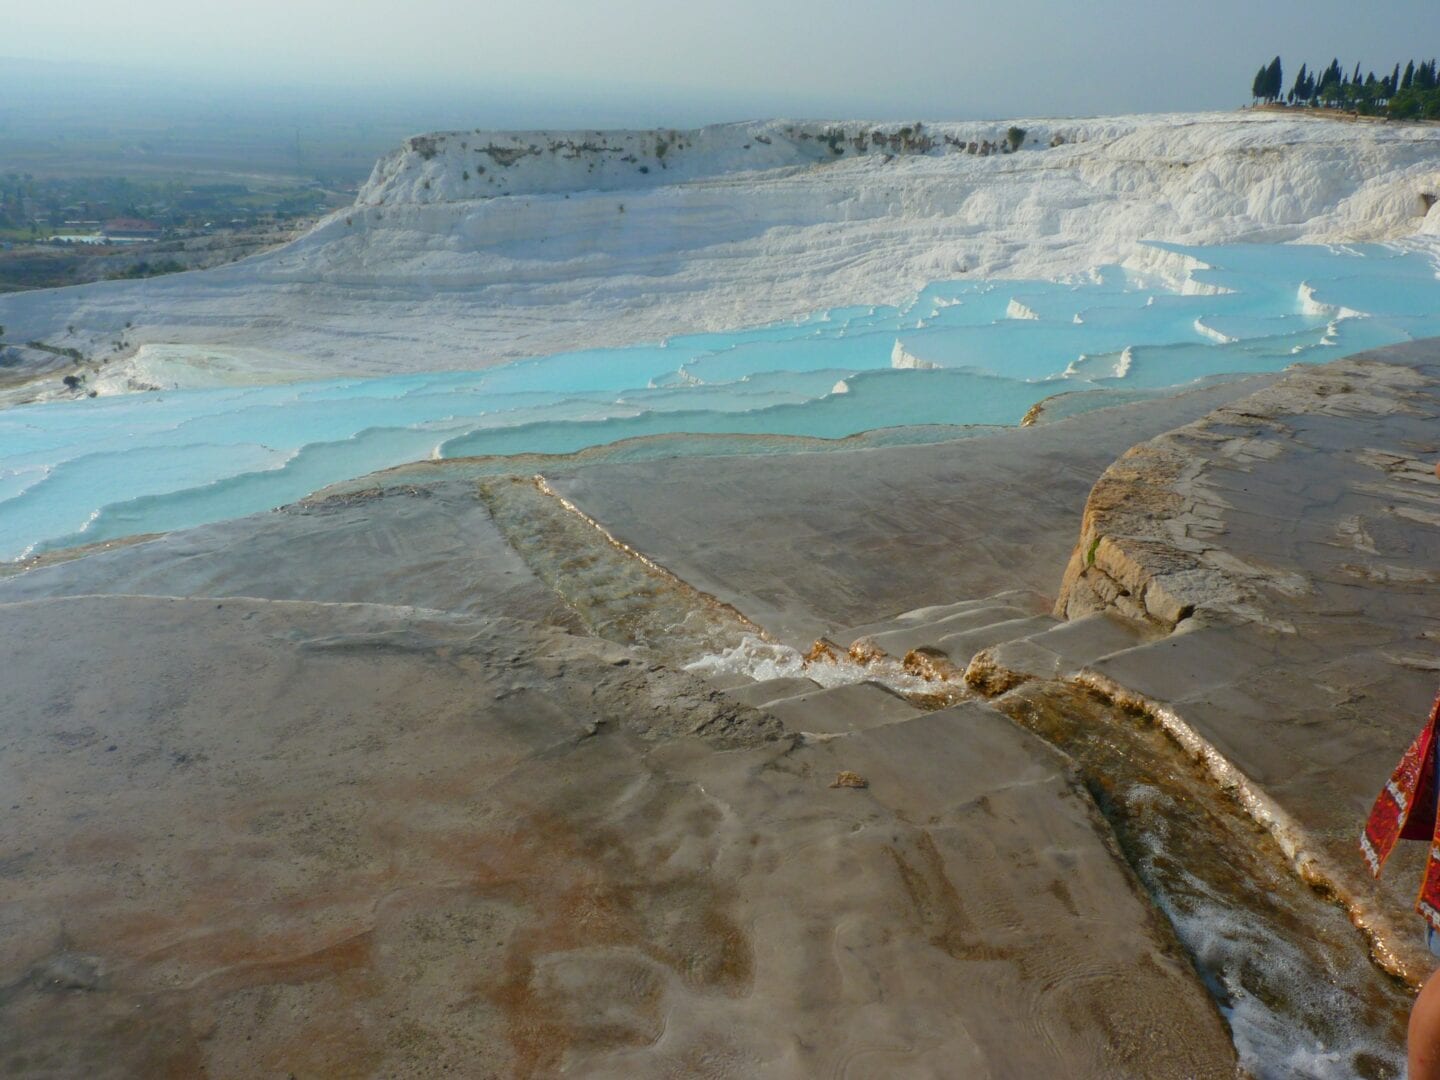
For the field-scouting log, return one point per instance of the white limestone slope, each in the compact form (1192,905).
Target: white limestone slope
(470,248)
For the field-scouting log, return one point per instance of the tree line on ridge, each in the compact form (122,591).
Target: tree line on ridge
(1413,94)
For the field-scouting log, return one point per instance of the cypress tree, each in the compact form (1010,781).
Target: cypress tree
(1408,79)
(1394,83)
(1369,93)
(1330,82)
(1298,92)
(1274,80)
(1257,85)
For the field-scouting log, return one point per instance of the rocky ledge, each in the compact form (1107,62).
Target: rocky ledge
(1156,543)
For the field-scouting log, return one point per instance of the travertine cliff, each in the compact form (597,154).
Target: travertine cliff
(470,248)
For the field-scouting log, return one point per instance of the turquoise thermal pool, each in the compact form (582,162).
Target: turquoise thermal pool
(959,352)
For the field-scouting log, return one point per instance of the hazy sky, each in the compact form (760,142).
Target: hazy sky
(684,61)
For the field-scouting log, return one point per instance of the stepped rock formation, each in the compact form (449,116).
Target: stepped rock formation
(394,776)
(563,242)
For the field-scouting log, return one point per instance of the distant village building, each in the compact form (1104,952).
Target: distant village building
(132,229)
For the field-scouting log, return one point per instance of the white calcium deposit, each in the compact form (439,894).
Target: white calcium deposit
(466,249)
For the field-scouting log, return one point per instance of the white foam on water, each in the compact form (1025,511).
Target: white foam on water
(1274,1045)
(1280,958)
(762,660)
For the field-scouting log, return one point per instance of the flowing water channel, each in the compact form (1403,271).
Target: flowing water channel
(1293,977)
(1290,973)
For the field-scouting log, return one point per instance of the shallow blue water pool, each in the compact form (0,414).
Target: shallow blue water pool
(962,352)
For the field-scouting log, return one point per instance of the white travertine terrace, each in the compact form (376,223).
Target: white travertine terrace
(576,239)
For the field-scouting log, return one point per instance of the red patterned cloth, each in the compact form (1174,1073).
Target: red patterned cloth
(1406,810)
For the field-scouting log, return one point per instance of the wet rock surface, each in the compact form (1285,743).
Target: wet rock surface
(393,781)
(1296,533)
(810,542)
(345,839)
(431,545)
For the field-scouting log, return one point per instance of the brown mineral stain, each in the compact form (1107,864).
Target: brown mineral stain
(823,651)
(347,954)
(103,845)
(585,888)
(1061,892)
(577,886)
(932,666)
(865,652)
(937,903)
